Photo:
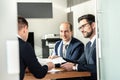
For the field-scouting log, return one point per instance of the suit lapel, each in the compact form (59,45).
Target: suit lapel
(70,46)
(68,50)
(61,50)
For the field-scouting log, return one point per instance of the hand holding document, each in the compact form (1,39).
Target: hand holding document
(45,61)
(53,57)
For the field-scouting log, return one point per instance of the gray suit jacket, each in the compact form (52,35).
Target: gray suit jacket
(87,62)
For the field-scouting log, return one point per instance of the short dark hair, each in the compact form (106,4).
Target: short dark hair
(21,21)
(89,17)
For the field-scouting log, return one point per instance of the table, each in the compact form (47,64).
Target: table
(58,75)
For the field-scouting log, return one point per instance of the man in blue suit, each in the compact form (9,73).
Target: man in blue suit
(27,54)
(87,61)
(69,47)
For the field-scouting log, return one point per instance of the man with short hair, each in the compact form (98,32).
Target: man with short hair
(87,61)
(27,54)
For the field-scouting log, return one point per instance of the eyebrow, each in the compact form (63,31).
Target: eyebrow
(83,25)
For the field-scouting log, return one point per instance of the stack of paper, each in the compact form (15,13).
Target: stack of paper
(44,61)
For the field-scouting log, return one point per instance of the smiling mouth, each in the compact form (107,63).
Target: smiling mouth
(83,32)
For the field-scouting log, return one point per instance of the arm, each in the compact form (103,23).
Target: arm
(69,66)
(32,63)
(90,66)
(77,50)
(55,52)
(82,65)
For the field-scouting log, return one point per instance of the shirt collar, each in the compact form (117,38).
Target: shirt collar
(93,39)
(67,42)
(19,36)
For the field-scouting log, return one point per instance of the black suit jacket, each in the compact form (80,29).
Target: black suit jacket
(87,62)
(28,59)
(74,50)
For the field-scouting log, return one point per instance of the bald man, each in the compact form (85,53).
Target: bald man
(74,47)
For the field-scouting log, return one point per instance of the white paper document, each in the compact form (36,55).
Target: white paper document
(54,70)
(44,61)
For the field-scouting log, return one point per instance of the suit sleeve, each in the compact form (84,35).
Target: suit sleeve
(84,66)
(31,61)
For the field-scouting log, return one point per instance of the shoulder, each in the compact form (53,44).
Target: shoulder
(25,47)
(23,43)
(76,41)
(58,42)
(94,43)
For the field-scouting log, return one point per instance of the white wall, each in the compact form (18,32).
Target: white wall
(42,26)
(87,7)
(8,31)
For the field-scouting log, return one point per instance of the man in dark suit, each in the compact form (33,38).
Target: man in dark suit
(74,47)
(27,54)
(87,61)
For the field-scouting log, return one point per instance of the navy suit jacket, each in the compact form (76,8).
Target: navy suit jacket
(28,59)
(87,61)
(74,50)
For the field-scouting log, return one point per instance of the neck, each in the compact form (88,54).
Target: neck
(92,35)
(21,36)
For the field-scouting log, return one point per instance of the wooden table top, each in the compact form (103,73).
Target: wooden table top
(58,75)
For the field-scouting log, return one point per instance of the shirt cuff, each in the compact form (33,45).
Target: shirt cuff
(75,67)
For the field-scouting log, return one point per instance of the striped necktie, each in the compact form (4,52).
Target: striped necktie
(65,50)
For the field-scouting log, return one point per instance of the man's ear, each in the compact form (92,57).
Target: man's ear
(25,29)
(93,25)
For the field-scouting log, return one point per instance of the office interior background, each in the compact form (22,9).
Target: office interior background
(61,12)
(107,17)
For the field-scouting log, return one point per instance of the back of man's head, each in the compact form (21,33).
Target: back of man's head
(22,22)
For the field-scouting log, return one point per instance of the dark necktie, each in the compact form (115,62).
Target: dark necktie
(88,46)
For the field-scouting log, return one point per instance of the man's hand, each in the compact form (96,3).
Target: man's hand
(68,66)
(27,70)
(53,57)
(50,65)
